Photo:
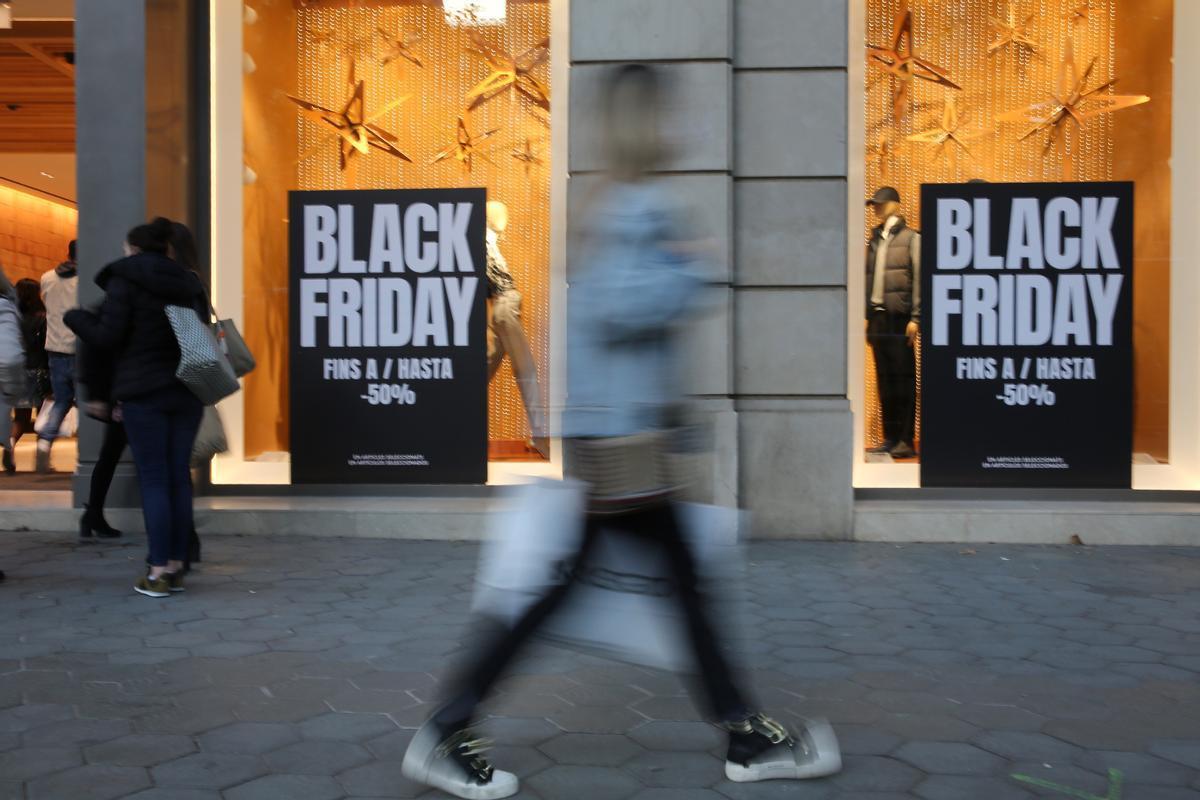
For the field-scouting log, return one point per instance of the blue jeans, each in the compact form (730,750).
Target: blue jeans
(62,383)
(162,428)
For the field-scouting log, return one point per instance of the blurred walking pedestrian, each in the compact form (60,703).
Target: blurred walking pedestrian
(12,360)
(161,416)
(37,370)
(638,280)
(60,293)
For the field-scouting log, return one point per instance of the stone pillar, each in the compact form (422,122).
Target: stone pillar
(691,41)
(110,97)
(789,135)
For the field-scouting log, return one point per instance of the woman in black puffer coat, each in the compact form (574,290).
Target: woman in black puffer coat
(161,416)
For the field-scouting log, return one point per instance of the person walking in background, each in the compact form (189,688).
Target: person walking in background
(12,359)
(638,280)
(161,416)
(33,334)
(60,292)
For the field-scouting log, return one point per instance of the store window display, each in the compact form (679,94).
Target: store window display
(392,94)
(893,319)
(506,336)
(1011,91)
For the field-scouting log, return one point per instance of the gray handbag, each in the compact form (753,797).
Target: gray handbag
(239,355)
(203,367)
(210,439)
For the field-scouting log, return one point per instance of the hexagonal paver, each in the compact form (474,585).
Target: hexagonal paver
(680,736)
(317,758)
(93,782)
(959,787)
(677,794)
(140,750)
(347,727)
(175,793)
(208,771)
(569,781)
(30,762)
(248,738)
(949,758)
(292,787)
(875,774)
(590,749)
(584,719)
(379,779)
(1138,768)
(1027,746)
(1002,717)
(23,717)
(77,732)
(676,770)
(519,730)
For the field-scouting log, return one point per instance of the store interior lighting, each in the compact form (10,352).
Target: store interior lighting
(476,12)
(5,14)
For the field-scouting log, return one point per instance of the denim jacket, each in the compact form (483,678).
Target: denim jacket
(632,289)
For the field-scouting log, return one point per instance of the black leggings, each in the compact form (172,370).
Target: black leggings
(658,524)
(111,449)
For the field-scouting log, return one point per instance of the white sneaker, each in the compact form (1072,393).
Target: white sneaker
(455,765)
(761,749)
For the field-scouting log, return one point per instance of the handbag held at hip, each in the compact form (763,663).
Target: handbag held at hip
(234,347)
(203,367)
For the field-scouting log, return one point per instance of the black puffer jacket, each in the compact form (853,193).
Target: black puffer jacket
(131,324)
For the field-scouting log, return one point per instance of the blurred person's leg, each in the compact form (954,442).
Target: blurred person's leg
(9,441)
(499,645)
(62,382)
(111,447)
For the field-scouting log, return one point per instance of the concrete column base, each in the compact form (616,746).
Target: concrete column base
(794,466)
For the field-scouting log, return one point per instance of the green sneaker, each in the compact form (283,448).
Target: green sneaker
(153,587)
(175,581)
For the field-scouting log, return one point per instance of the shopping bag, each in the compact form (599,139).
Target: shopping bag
(234,346)
(70,423)
(538,528)
(210,438)
(43,415)
(623,605)
(203,367)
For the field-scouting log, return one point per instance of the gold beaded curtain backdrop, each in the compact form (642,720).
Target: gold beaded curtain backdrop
(955,91)
(440,111)
(497,139)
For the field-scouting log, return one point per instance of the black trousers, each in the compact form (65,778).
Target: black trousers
(659,525)
(111,448)
(895,375)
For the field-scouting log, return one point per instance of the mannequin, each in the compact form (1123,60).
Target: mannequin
(506,337)
(893,311)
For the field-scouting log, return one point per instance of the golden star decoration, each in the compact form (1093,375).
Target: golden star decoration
(466,147)
(357,132)
(528,154)
(881,152)
(1013,32)
(1072,101)
(510,73)
(1081,12)
(900,59)
(951,131)
(399,47)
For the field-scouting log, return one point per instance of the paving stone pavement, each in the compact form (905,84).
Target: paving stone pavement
(298,668)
